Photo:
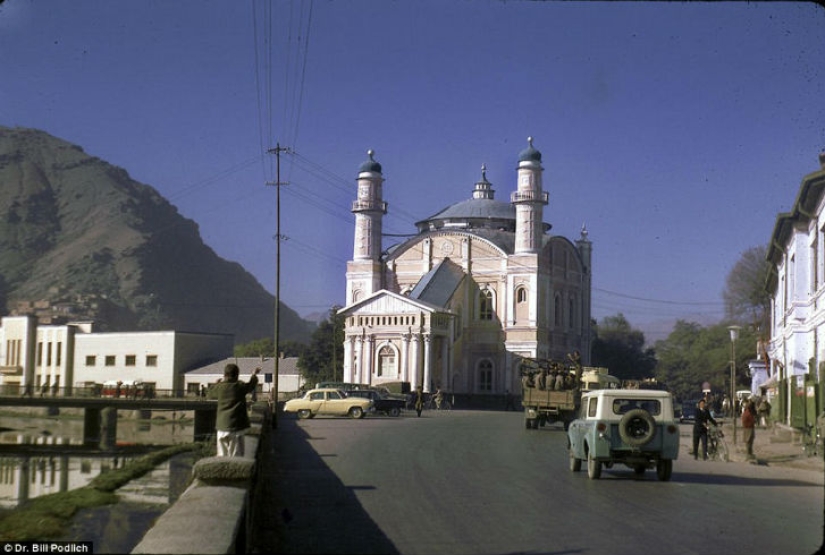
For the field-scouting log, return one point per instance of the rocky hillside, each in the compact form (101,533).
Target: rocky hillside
(80,240)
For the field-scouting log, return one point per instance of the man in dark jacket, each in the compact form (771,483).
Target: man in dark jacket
(700,429)
(232,419)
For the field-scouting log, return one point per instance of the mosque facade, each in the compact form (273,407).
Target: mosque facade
(482,284)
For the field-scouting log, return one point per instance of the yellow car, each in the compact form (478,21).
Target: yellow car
(328,401)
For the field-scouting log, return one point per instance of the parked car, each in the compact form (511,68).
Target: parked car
(633,427)
(688,413)
(328,401)
(381,402)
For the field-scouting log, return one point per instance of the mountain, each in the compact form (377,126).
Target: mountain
(81,240)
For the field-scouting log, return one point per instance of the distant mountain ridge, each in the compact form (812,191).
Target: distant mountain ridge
(80,237)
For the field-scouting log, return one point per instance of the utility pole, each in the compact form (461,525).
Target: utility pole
(273,394)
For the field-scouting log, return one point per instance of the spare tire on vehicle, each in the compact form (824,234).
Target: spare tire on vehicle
(637,428)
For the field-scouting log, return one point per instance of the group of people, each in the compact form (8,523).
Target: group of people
(704,418)
(556,379)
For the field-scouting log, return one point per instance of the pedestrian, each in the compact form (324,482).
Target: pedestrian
(508,400)
(419,400)
(763,411)
(232,420)
(726,406)
(748,426)
(701,422)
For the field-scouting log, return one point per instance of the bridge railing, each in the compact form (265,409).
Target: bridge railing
(97,390)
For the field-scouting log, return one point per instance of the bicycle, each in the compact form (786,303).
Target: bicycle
(432,405)
(717,448)
(811,440)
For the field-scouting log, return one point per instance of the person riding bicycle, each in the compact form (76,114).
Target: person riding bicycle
(700,429)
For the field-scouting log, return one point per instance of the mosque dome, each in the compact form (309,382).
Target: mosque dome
(370,165)
(530,154)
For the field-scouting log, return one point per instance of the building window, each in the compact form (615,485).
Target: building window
(151,360)
(40,353)
(521,308)
(485,376)
(91,360)
(386,361)
(109,360)
(59,353)
(130,360)
(485,305)
(557,311)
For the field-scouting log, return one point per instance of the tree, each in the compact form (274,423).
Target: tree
(692,355)
(263,348)
(620,348)
(323,359)
(746,298)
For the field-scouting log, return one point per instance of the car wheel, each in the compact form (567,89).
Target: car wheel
(304,413)
(594,467)
(639,469)
(575,464)
(637,428)
(356,412)
(664,469)
(395,411)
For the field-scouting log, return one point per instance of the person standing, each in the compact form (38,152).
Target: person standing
(749,426)
(419,400)
(700,429)
(232,419)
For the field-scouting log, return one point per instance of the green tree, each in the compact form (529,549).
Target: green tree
(692,355)
(745,296)
(620,348)
(323,359)
(264,348)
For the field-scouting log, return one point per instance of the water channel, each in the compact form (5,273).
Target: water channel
(25,474)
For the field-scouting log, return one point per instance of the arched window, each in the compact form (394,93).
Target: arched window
(485,376)
(386,362)
(522,311)
(557,311)
(485,305)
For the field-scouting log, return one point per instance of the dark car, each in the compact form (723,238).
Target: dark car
(688,413)
(381,402)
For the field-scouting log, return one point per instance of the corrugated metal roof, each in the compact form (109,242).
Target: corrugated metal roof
(438,285)
(286,366)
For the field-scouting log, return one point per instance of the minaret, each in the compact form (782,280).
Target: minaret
(364,270)
(585,247)
(529,200)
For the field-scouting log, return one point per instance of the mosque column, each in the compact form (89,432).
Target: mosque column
(428,361)
(405,358)
(369,359)
(347,377)
(415,367)
(359,359)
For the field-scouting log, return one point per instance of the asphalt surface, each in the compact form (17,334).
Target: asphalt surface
(353,531)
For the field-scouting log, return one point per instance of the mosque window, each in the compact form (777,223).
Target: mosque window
(485,305)
(485,376)
(386,361)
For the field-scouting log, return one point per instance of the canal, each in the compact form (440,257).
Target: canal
(34,462)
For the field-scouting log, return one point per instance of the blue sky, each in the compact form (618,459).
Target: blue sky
(674,131)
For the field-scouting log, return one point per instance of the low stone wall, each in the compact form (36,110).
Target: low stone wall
(214,514)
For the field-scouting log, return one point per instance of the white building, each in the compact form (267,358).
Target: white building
(60,358)
(797,284)
(480,285)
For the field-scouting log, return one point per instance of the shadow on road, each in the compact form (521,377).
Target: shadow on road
(302,506)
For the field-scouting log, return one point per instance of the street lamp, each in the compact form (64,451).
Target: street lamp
(734,335)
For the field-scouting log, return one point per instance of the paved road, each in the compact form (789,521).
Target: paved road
(477,482)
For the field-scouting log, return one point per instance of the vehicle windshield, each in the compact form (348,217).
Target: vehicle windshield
(622,406)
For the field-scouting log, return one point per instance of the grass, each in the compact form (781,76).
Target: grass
(49,516)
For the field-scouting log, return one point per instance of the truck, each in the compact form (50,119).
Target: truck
(545,402)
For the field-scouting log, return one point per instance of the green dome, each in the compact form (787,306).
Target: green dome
(370,165)
(529,154)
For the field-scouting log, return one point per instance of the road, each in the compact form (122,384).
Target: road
(478,482)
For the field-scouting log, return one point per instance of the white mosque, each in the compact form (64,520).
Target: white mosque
(482,284)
